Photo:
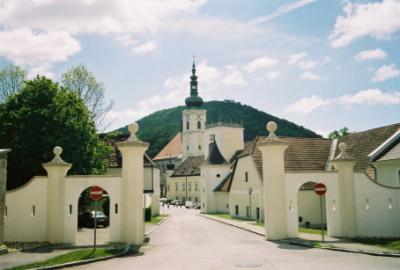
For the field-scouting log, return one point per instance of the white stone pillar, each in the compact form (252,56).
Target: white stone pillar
(132,223)
(344,165)
(3,186)
(274,191)
(56,207)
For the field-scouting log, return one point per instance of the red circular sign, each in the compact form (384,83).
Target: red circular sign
(96,193)
(320,189)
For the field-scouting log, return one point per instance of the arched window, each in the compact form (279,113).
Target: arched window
(187,125)
(198,125)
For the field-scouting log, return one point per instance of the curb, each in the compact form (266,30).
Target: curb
(382,254)
(156,226)
(296,243)
(233,225)
(126,251)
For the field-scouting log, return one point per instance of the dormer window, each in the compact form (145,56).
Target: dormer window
(187,125)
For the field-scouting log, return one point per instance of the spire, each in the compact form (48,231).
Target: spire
(194,100)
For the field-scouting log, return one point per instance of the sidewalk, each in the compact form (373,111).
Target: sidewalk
(16,258)
(311,240)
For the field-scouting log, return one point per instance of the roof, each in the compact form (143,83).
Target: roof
(392,154)
(214,155)
(225,184)
(302,154)
(172,149)
(361,144)
(189,167)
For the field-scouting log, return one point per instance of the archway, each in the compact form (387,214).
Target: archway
(87,210)
(309,210)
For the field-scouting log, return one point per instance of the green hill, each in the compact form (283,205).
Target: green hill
(159,127)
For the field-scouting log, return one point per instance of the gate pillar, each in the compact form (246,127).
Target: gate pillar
(275,209)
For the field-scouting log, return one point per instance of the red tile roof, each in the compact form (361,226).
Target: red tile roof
(172,149)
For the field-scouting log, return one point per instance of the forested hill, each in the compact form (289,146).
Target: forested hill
(159,127)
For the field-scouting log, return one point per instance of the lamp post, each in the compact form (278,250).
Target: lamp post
(250,190)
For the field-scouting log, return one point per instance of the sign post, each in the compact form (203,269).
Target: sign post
(320,190)
(96,194)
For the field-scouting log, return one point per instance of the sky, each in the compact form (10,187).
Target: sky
(323,64)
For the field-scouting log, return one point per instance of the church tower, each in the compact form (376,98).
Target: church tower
(193,121)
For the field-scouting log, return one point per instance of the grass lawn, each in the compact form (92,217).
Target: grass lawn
(393,244)
(309,230)
(77,255)
(157,219)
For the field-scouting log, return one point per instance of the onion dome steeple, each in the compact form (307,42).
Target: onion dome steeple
(193,100)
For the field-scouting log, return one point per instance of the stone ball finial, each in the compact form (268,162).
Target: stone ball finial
(133,129)
(57,151)
(342,147)
(272,127)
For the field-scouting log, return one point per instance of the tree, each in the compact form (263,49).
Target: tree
(80,80)
(11,81)
(339,134)
(40,116)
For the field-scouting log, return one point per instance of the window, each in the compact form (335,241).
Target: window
(246,176)
(196,186)
(168,187)
(198,125)
(33,211)
(177,198)
(236,210)
(399,178)
(176,186)
(5,211)
(247,211)
(190,187)
(70,209)
(227,206)
(187,125)
(212,137)
(199,147)
(218,175)
(183,186)
(187,147)
(190,198)
(258,213)
(196,200)
(116,208)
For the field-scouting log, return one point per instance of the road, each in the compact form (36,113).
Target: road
(188,241)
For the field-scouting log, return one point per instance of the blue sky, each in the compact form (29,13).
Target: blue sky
(323,64)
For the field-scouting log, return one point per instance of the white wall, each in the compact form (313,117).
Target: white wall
(388,172)
(293,183)
(309,208)
(211,177)
(192,193)
(19,224)
(222,202)
(193,137)
(377,208)
(239,190)
(229,140)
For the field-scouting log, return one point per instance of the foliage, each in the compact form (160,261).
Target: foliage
(160,127)
(389,243)
(11,81)
(157,219)
(336,134)
(40,116)
(74,256)
(81,81)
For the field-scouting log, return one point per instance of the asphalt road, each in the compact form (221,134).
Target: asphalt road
(188,241)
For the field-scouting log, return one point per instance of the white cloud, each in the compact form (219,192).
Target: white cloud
(145,47)
(233,77)
(378,19)
(37,50)
(299,60)
(273,75)
(368,97)
(386,72)
(307,105)
(371,97)
(283,9)
(310,76)
(370,54)
(260,63)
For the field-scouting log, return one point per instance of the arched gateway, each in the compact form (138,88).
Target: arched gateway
(46,208)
